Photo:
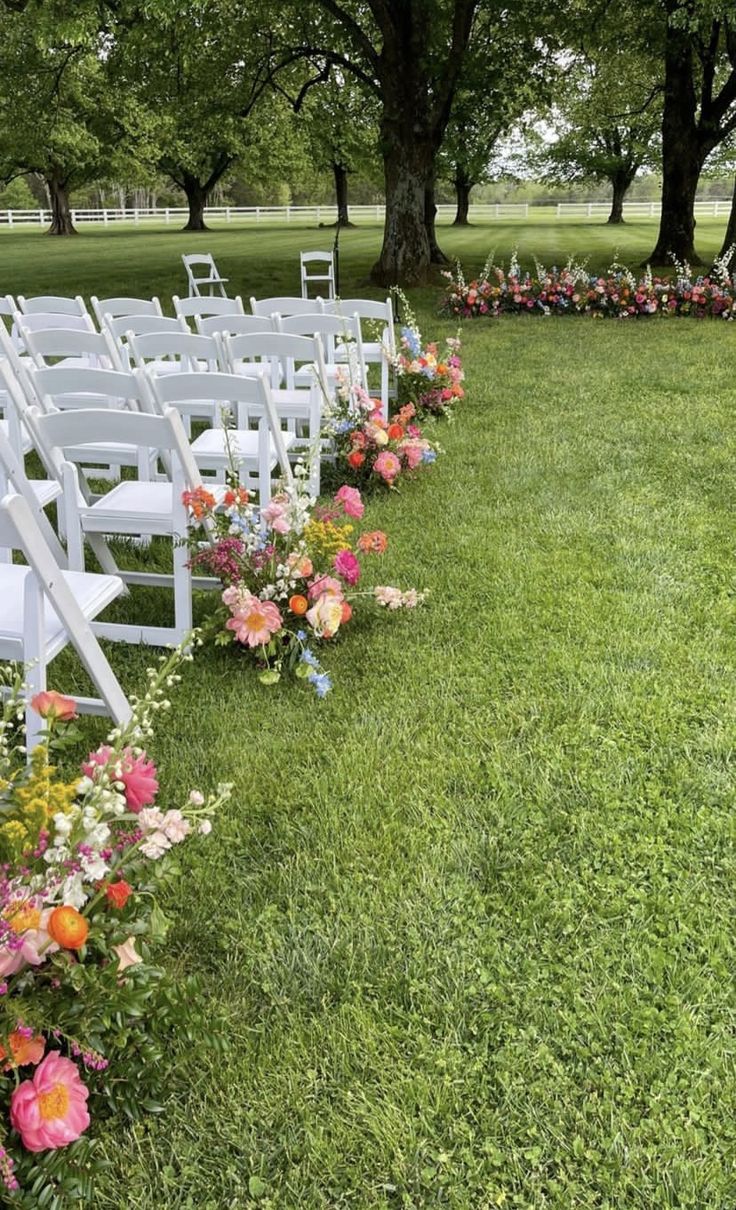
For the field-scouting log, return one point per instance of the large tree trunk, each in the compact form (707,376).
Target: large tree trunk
(61,215)
(729,240)
(621,183)
(340,174)
(462,194)
(197,195)
(405,254)
(683,153)
(436,255)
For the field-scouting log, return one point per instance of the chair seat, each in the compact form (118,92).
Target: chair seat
(134,507)
(211,450)
(92,593)
(114,453)
(45,490)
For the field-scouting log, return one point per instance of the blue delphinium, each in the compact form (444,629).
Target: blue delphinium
(321,681)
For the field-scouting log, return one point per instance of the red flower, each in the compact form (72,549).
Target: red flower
(356,459)
(118,893)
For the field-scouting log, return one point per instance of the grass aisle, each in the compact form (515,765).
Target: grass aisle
(470,919)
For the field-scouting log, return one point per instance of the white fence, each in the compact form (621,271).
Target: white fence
(249,214)
(314,215)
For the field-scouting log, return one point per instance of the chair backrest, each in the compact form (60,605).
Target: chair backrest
(19,530)
(72,388)
(182,349)
(285,305)
(202,271)
(324,262)
(197,305)
(124,306)
(234,324)
(282,351)
(18,396)
(57,431)
(53,304)
(365,308)
(51,344)
(248,398)
(13,478)
(333,329)
(8,307)
(36,321)
(141,325)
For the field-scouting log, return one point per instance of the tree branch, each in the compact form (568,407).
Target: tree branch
(351,26)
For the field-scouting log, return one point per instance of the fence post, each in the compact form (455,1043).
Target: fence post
(10,218)
(526,210)
(559,210)
(104,218)
(135,216)
(74,217)
(227,214)
(651,209)
(590,209)
(40,217)
(288,214)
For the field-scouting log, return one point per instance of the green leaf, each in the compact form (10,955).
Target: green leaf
(256,1187)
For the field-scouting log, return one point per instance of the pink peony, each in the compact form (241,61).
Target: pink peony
(347,566)
(275,515)
(387,465)
(351,502)
(413,450)
(29,923)
(325,584)
(254,621)
(137,774)
(50,1110)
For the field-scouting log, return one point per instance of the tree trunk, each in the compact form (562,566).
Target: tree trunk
(405,254)
(197,195)
(340,173)
(729,239)
(462,193)
(436,255)
(61,215)
(683,153)
(621,183)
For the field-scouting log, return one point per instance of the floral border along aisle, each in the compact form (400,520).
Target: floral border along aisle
(86,1020)
(290,574)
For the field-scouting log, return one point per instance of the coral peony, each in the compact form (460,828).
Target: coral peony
(254,621)
(325,615)
(375,541)
(387,465)
(136,773)
(349,498)
(24,1050)
(347,566)
(50,1110)
(54,706)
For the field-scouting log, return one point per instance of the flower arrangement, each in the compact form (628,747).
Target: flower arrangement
(572,290)
(290,574)
(427,377)
(371,451)
(83,1012)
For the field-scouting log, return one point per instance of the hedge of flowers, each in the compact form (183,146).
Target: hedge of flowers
(572,290)
(86,1017)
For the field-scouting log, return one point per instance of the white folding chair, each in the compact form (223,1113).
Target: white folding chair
(64,346)
(116,307)
(43,608)
(208,325)
(130,508)
(339,334)
(52,304)
(202,271)
(375,352)
(176,353)
(283,305)
(38,321)
(281,359)
(38,494)
(8,307)
(198,306)
(324,262)
(256,443)
(140,325)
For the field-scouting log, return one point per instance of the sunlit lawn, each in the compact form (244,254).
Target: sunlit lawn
(468,922)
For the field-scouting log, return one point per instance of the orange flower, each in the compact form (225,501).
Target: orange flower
(198,502)
(395,432)
(298,604)
(68,927)
(356,459)
(237,495)
(374,542)
(118,893)
(24,1050)
(347,612)
(54,706)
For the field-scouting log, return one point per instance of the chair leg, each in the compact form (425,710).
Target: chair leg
(183,616)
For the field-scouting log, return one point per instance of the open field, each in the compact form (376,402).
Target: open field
(468,923)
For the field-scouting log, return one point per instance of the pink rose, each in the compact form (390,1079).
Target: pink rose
(50,1110)
(347,566)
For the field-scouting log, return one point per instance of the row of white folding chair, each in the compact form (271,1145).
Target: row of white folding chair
(44,607)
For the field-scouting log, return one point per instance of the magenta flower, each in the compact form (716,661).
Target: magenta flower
(137,774)
(50,1110)
(347,566)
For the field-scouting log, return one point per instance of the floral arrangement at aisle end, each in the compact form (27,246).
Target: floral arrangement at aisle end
(290,574)
(572,290)
(85,1018)
(371,451)
(427,378)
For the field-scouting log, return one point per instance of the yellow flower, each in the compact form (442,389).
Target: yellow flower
(324,538)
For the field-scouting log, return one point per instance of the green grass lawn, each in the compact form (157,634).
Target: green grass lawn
(468,923)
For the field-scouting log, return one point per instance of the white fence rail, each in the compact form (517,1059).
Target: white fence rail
(306,215)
